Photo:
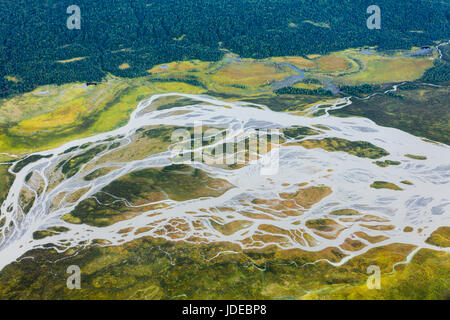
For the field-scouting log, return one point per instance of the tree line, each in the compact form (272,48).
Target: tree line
(34,34)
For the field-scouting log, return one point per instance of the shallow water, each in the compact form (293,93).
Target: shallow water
(424,205)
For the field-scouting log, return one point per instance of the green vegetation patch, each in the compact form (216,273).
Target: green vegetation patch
(6,181)
(26,200)
(321,126)
(131,44)
(439,73)
(345,212)
(296,132)
(424,278)
(385,185)
(362,149)
(176,182)
(283,102)
(37,235)
(98,173)
(440,237)
(178,103)
(324,225)
(179,182)
(411,156)
(319,113)
(156,269)
(387,163)
(30,159)
(421,111)
(73,165)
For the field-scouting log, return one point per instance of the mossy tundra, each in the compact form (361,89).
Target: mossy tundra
(156,269)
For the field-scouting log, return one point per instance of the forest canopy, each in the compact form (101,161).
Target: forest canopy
(35,40)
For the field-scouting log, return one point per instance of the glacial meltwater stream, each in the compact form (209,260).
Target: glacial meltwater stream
(424,205)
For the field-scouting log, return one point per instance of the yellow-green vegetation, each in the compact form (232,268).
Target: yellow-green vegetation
(333,63)
(408,229)
(176,86)
(52,115)
(73,165)
(318,24)
(307,197)
(230,75)
(292,103)
(26,200)
(354,67)
(440,237)
(387,163)
(352,245)
(361,149)
(411,156)
(99,173)
(288,204)
(385,185)
(247,73)
(145,142)
(12,79)
(231,227)
(326,228)
(6,158)
(19,165)
(380,227)
(181,67)
(371,239)
(179,38)
(413,108)
(345,212)
(309,86)
(175,182)
(378,69)
(297,132)
(251,76)
(321,126)
(425,277)
(71,60)
(43,100)
(124,66)
(407,182)
(156,269)
(76,111)
(391,70)
(49,232)
(298,62)
(6,180)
